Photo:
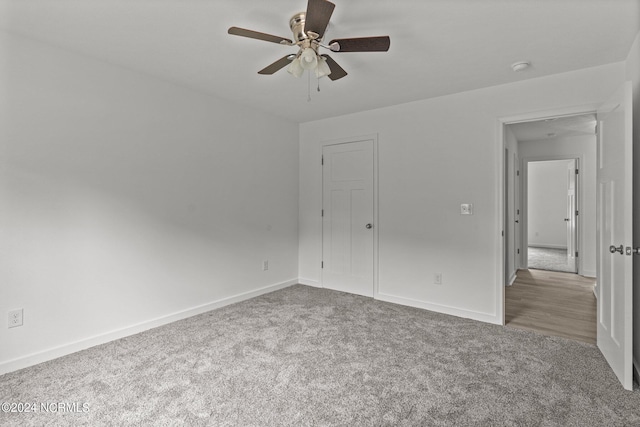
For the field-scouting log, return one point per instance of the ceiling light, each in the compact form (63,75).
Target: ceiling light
(309,59)
(295,68)
(323,68)
(520,66)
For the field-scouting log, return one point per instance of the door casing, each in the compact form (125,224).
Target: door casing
(500,177)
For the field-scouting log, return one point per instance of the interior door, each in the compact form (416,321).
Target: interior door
(571,219)
(348,213)
(614,234)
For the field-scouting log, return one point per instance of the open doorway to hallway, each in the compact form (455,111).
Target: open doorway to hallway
(551,228)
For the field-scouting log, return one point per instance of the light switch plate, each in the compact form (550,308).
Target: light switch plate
(466,209)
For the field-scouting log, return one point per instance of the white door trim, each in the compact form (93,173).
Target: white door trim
(376,222)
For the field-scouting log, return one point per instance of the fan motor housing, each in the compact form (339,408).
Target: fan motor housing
(296,23)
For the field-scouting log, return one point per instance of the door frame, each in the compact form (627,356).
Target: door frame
(500,176)
(524,200)
(376,228)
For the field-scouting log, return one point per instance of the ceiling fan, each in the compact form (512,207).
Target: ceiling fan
(308,30)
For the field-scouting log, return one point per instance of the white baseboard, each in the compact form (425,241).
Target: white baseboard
(467,314)
(545,246)
(309,282)
(72,347)
(513,278)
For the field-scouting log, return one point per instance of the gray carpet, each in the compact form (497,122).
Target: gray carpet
(550,259)
(305,356)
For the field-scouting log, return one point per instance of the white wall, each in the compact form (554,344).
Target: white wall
(126,201)
(582,147)
(547,203)
(434,155)
(633,74)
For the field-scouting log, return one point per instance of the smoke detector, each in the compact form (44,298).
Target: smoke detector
(520,66)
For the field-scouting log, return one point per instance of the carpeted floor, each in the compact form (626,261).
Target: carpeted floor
(306,356)
(550,259)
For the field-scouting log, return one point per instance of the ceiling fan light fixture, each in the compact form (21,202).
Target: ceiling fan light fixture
(309,59)
(323,68)
(295,68)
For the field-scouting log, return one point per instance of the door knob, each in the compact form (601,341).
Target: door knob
(369,225)
(613,249)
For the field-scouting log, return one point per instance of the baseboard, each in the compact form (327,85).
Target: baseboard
(467,314)
(544,246)
(512,278)
(589,273)
(309,282)
(65,349)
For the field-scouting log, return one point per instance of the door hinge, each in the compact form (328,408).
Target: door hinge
(517,173)
(577,171)
(577,214)
(322,160)
(518,252)
(576,254)
(322,213)
(321,264)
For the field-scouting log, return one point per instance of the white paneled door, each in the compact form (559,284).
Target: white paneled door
(348,217)
(614,234)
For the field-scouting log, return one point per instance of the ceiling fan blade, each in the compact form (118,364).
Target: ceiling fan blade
(318,15)
(362,44)
(257,35)
(276,66)
(337,72)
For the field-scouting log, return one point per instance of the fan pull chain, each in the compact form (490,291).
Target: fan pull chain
(309,86)
(318,84)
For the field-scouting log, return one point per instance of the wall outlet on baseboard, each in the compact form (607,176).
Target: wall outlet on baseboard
(15,318)
(265,265)
(437,279)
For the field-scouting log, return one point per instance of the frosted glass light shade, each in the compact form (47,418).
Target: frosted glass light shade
(295,68)
(323,68)
(309,59)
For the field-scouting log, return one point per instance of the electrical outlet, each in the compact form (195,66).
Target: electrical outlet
(15,318)
(265,265)
(437,279)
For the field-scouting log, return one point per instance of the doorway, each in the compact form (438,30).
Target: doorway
(554,182)
(552,216)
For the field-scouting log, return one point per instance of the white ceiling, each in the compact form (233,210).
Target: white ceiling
(438,47)
(557,127)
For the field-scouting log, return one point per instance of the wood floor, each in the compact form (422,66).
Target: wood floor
(552,303)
